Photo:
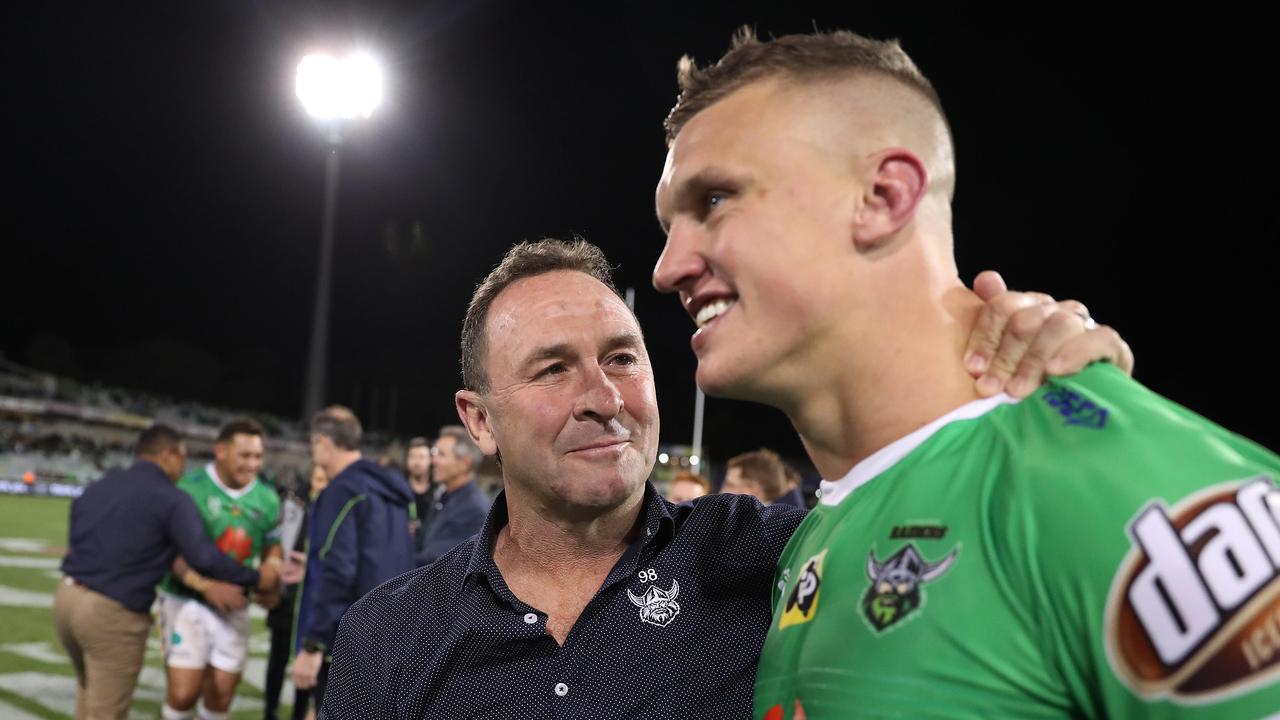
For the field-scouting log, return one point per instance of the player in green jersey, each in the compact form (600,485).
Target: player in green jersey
(206,642)
(1090,550)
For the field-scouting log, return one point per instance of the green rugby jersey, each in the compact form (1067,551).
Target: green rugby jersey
(243,524)
(1093,550)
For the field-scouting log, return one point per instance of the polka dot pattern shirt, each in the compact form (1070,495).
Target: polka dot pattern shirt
(674,632)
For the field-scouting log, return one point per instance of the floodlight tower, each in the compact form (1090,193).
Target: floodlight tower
(332,91)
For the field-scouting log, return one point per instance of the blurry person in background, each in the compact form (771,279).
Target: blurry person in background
(125,531)
(425,494)
(686,486)
(794,494)
(359,537)
(462,506)
(758,473)
(205,645)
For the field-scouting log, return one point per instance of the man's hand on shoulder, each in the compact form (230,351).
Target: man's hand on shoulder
(1020,338)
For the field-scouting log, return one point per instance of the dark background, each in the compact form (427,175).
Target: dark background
(165,187)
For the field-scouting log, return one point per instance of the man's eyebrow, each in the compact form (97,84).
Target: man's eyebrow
(624,340)
(557,351)
(688,192)
(560,351)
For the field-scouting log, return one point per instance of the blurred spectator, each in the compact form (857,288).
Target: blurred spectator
(296,502)
(418,460)
(124,534)
(359,538)
(462,508)
(758,473)
(794,495)
(686,486)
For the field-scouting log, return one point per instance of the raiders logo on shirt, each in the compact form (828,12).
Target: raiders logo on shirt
(1193,614)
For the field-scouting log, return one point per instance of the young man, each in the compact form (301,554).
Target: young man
(585,594)
(1091,550)
(205,644)
(417,462)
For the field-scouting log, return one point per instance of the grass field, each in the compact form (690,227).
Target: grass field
(36,679)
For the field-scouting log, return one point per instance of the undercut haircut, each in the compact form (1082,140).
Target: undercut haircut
(763,467)
(241,426)
(525,260)
(338,424)
(802,58)
(157,439)
(463,446)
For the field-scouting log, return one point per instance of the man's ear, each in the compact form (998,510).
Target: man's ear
(475,418)
(896,184)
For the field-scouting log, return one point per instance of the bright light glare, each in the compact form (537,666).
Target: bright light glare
(663,458)
(347,88)
(693,459)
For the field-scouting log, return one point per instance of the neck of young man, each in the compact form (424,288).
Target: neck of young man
(881,391)
(420,483)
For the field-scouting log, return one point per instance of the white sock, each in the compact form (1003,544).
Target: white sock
(169,713)
(207,714)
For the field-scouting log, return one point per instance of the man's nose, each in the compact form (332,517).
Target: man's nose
(600,399)
(680,263)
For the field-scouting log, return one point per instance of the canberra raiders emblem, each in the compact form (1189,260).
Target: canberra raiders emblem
(657,606)
(895,585)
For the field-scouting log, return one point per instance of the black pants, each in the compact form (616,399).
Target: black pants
(280,621)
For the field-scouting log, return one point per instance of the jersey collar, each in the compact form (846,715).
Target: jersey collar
(832,493)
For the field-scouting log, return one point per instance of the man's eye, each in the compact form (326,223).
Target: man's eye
(715,198)
(624,359)
(555,369)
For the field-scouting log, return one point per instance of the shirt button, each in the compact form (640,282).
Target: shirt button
(531,618)
(562,689)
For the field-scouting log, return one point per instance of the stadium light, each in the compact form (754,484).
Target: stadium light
(331,91)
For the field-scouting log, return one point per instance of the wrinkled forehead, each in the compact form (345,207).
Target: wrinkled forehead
(558,306)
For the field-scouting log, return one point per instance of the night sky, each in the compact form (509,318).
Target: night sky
(164,206)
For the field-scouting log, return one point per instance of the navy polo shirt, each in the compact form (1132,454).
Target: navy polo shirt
(675,631)
(126,529)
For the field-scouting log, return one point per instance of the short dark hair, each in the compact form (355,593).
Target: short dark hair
(157,439)
(524,260)
(764,467)
(240,426)
(338,424)
(418,442)
(814,56)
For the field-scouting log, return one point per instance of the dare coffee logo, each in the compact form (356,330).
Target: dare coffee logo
(1194,610)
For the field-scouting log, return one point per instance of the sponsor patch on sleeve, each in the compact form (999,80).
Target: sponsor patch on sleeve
(1193,614)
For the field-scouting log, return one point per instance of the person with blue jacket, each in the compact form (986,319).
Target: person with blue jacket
(460,511)
(359,537)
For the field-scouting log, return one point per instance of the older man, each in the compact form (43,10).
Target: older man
(585,594)
(1092,550)
(460,510)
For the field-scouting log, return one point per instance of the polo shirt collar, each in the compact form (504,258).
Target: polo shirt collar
(658,524)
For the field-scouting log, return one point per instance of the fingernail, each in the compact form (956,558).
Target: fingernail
(988,385)
(976,363)
(1056,366)
(1015,387)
